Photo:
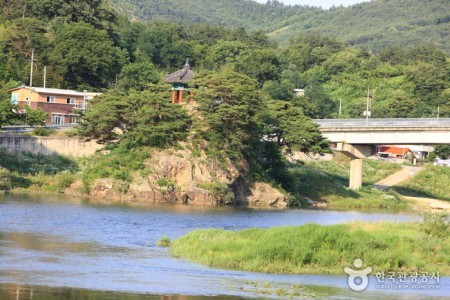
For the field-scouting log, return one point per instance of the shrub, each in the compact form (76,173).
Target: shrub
(5,179)
(220,191)
(64,180)
(436,224)
(118,164)
(42,131)
(72,132)
(30,163)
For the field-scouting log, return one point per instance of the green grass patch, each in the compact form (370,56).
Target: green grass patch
(327,181)
(431,182)
(339,168)
(37,171)
(316,249)
(119,163)
(31,163)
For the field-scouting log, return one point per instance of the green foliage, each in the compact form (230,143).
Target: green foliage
(262,65)
(44,172)
(225,52)
(138,119)
(163,43)
(436,224)
(431,181)
(30,163)
(230,107)
(11,114)
(64,180)
(42,131)
(5,179)
(316,249)
(220,191)
(119,163)
(275,90)
(138,75)
(291,128)
(442,151)
(96,13)
(85,56)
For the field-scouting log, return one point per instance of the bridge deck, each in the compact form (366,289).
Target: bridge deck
(380,124)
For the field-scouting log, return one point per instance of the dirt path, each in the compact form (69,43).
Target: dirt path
(428,203)
(396,178)
(418,202)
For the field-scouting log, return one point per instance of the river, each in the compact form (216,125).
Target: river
(52,248)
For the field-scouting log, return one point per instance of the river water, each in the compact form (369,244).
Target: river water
(71,249)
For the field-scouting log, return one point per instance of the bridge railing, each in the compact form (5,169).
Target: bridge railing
(384,123)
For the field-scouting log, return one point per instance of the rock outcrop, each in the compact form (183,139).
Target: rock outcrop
(178,176)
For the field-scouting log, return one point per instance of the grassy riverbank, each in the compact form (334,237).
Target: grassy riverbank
(321,181)
(315,249)
(327,181)
(431,182)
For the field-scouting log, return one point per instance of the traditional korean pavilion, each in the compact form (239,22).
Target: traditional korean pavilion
(179,81)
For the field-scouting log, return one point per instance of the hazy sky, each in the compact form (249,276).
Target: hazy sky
(322,3)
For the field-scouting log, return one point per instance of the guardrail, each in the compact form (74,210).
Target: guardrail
(387,123)
(27,128)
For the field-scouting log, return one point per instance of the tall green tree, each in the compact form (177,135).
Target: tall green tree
(289,126)
(138,75)
(145,118)
(429,82)
(95,12)
(261,65)
(85,56)
(225,52)
(316,104)
(230,107)
(159,40)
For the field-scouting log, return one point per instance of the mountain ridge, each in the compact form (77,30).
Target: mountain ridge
(372,25)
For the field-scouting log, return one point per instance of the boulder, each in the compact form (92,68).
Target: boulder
(263,195)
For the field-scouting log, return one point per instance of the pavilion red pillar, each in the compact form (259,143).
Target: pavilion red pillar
(180,96)
(174,96)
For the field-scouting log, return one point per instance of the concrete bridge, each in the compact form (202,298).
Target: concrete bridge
(357,138)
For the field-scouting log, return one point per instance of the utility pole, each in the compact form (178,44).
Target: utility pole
(45,76)
(31,69)
(31,77)
(367,113)
(84,100)
(340,108)
(438,111)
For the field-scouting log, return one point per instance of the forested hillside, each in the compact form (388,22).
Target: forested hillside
(374,24)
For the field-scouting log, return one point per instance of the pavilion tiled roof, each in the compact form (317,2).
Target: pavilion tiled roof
(184,75)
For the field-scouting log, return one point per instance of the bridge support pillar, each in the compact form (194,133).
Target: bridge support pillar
(356,154)
(356,172)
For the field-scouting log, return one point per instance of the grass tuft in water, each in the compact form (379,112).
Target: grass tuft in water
(163,241)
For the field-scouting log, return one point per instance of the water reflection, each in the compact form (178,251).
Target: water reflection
(11,291)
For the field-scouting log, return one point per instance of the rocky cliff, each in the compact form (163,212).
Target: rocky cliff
(180,176)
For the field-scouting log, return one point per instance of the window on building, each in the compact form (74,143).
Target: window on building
(51,99)
(73,119)
(15,99)
(70,100)
(58,119)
